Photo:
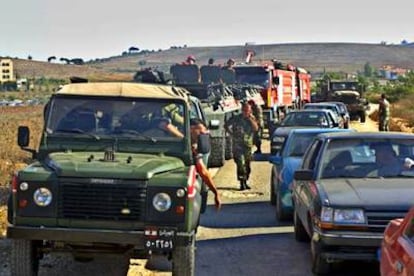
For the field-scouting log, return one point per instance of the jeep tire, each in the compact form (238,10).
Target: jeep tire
(24,260)
(183,259)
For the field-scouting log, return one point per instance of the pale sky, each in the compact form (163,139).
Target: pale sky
(91,29)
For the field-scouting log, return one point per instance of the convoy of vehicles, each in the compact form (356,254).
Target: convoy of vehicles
(108,177)
(347,189)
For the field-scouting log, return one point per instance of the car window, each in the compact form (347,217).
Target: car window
(309,159)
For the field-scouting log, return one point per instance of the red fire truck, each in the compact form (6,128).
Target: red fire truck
(284,87)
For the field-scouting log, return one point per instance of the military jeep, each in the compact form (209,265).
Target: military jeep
(108,178)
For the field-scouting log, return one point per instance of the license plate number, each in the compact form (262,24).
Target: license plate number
(159,239)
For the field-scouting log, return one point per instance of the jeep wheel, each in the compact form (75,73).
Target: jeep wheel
(300,232)
(217,155)
(24,260)
(183,259)
(281,214)
(320,266)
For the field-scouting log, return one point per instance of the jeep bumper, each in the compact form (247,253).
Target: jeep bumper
(136,238)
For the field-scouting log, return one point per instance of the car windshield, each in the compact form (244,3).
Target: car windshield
(334,108)
(305,119)
(101,116)
(369,157)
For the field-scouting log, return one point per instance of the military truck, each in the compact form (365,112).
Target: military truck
(218,103)
(107,178)
(348,92)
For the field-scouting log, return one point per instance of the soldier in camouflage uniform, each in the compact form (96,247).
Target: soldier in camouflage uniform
(384,113)
(242,128)
(258,114)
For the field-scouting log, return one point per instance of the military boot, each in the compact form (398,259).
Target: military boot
(242,184)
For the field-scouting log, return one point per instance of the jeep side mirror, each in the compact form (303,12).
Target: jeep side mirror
(203,143)
(23,136)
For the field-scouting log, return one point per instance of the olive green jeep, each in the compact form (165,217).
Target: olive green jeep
(109,176)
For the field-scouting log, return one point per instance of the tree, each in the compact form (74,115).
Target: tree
(133,49)
(49,59)
(65,60)
(29,57)
(368,70)
(77,61)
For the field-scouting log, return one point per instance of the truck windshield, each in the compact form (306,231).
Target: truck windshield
(344,86)
(115,116)
(248,75)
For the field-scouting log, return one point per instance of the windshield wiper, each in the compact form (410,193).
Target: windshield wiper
(77,130)
(132,132)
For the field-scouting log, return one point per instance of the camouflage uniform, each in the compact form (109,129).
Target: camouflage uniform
(257,138)
(242,136)
(384,114)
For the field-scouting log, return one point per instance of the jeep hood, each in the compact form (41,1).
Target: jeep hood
(125,165)
(369,192)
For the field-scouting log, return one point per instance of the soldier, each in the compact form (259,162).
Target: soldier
(384,113)
(258,114)
(242,128)
(227,73)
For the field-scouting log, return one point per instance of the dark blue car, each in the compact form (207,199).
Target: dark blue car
(285,162)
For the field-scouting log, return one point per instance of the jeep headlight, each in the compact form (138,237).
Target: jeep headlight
(161,202)
(42,197)
(342,216)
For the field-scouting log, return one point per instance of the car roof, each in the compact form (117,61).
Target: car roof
(368,135)
(320,130)
(124,89)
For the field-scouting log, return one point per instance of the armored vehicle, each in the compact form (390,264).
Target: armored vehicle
(218,103)
(109,176)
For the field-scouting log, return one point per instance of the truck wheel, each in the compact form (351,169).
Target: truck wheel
(300,232)
(229,148)
(320,266)
(24,260)
(217,155)
(362,117)
(183,259)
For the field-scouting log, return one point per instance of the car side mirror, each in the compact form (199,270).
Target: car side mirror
(303,175)
(23,136)
(203,143)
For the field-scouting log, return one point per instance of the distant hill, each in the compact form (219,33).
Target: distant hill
(315,57)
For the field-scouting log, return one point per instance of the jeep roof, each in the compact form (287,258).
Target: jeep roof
(121,89)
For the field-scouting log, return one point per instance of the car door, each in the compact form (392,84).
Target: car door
(304,191)
(404,251)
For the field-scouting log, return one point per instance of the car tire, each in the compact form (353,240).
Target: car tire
(362,117)
(281,214)
(183,259)
(24,259)
(320,266)
(300,232)
(272,191)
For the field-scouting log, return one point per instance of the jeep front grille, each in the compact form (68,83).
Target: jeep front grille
(123,201)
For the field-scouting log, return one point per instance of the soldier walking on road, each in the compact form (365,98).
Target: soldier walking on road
(258,114)
(242,128)
(384,113)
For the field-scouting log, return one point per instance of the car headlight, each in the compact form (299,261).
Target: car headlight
(161,202)
(42,197)
(342,216)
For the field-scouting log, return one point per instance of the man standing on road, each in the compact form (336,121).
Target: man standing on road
(242,128)
(384,113)
(258,114)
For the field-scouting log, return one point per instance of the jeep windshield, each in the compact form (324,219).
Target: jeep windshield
(253,75)
(97,117)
